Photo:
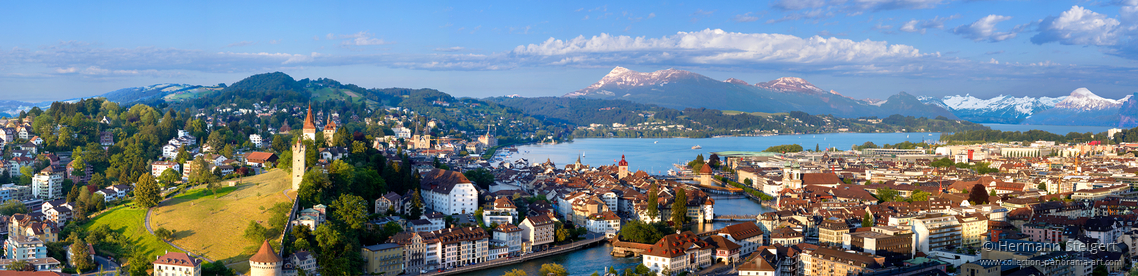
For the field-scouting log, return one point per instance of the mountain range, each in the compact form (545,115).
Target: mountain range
(683,89)
(1081,107)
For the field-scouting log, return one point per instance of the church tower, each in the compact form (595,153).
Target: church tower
(622,168)
(299,151)
(265,262)
(309,130)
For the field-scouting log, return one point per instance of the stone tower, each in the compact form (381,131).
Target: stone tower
(265,262)
(329,130)
(622,168)
(309,130)
(299,151)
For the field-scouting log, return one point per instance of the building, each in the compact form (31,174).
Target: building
(606,222)
(389,201)
(298,163)
(831,262)
(510,236)
(503,212)
(266,262)
(329,129)
(537,232)
(831,230)
(414,249)
(453,247)
(177,264)
(748,235)
(678,252)
(48,183)
(13,191)
(303,260)
(972,229)
(158,167)
(260,159)
(786,236)
(448,192)
(309,130)
(936,232)
(893,243)
(385,259)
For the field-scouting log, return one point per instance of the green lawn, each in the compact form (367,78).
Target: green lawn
(129,221)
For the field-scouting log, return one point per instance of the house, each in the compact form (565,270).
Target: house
(389,201)
(537,233)
(503,212)
(448,192)
(106,139)
(748,235)
(383,259)
(255,139)
(458,246)
(158,167)
(679,252)
(260,159)
(510,236)
(177,264)
(414,249)
(606,222)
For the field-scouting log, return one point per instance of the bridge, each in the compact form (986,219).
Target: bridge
(735,218)
(592,238)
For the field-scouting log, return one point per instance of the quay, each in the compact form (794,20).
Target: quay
(599,238)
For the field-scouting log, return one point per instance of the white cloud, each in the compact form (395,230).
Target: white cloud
(711,47)
(362,38)
(450,49)
(921,26)
(1079,26)
(993,61)
(985,29)
(747,17)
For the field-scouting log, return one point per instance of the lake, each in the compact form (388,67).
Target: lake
(656,156)
(597,258)
(1061,130)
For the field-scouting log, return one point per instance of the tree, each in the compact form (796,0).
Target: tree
(13,206)
(168,177)
(146,192)
(81,257)
(640,232)
(1042,187)
(416,205)
(97,180)
(350,210)
(143,264)
(515,272)
(218,268)
(696,164)
(482,177)
(20,265)
(992,192)
(866,220)
(255,232)
(653,203)
(164,234)
(887,194)
(978,194)
(785,148)
(1100,270)
(919,195)
(680,208)
(79,167)
(552,269)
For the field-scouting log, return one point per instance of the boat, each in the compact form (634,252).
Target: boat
(696,147)
(656,142)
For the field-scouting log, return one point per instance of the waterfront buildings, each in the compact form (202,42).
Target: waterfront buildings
(448,192)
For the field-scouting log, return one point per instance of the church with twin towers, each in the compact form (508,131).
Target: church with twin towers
(299,150)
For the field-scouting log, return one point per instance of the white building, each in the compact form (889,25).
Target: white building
(158,167)
(511,236)
(48,183)
(679,252)
(448,192)
(606,222)
(177,264)
(748,235)
(255,139)
(453,247)
(402,132)
(936,232)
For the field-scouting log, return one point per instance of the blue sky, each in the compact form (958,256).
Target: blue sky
(860,48)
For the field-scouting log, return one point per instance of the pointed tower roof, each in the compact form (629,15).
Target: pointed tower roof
(265,254)
(622,162)
(308,123)
(331,125)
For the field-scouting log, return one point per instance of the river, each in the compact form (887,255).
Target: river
(597,258)
(656,155)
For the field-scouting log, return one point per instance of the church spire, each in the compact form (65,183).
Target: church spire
(308,122)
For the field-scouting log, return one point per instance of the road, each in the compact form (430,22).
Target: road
(106,266)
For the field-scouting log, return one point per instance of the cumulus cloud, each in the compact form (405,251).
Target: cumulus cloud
(921,26)
(1079,26)
(714,47)
(985,29)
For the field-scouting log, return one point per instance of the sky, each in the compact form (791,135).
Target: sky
(859,48)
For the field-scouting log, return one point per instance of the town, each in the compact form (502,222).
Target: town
(388,191)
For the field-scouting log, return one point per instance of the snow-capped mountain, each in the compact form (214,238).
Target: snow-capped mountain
(1086,100)
(999,109)
(623,78)
(682,89)
(790,84)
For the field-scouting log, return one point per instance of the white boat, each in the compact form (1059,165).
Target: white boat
(696,147)
(656,142)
